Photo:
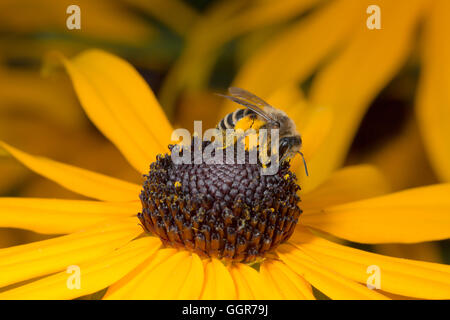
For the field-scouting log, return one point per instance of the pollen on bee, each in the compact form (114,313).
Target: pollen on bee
(177,184)
(249,123)
(286,176)
(244,133)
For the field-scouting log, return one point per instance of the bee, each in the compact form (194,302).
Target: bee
(290,141)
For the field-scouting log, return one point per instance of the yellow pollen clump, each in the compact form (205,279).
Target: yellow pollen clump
(177,184)
(286,176)
(250,137)
(249,123)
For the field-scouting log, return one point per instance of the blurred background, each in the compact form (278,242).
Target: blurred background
(292,52)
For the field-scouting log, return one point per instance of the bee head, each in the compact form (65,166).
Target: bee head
(289,146)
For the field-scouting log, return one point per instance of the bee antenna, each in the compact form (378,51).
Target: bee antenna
(304,163)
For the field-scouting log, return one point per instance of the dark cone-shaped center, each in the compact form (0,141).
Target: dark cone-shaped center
(228,211)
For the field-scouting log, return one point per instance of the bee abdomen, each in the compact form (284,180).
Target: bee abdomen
(230,120)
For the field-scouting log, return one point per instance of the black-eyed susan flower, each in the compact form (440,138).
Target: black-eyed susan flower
(194,247)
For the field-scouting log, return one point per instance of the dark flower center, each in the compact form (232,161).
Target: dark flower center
(228,211)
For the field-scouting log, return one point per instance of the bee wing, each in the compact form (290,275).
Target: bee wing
(251,106)
(245,95)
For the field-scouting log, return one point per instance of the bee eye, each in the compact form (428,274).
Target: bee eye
(284,146)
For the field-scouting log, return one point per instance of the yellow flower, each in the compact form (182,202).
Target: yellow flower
(105,241)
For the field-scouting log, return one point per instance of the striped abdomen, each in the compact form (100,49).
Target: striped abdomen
(230,120)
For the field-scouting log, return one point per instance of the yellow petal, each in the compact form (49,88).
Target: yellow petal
(316,129)
(224,21)
(60,216)
(94,275)
(287,283)
(433,103)
(169,274)
(415,215)
(350,82)
(276,290)
(44,257)
(324,278)
(44,16)
(348,184)
(171,278)
(85,182)
(126,287)
(291,99)
(120,103)
(261,14)
(218,283)
(280,57)
(250,284)
(400,276)
(158,279)
(193,283)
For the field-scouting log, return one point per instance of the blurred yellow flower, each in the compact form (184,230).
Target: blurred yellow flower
(149,32)
(106,242)
(352,63)
(25,16)
(222,22)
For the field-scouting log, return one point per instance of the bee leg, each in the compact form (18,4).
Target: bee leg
(253,117)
